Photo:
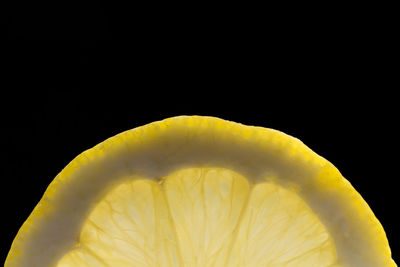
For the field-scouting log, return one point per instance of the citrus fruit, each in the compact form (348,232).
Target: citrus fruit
(200,191)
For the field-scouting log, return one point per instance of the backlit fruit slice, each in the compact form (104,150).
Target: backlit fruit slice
(195,191)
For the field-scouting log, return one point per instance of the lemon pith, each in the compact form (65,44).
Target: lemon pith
(164,156)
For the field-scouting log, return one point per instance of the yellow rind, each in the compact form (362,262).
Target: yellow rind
(159,148)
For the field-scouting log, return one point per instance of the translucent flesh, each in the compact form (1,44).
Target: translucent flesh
(204,217)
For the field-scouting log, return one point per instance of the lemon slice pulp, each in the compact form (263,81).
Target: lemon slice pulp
(200,191)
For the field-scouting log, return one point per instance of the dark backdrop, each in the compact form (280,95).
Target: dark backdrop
(76,76)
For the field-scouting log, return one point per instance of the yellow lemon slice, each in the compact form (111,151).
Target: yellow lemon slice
(195,191)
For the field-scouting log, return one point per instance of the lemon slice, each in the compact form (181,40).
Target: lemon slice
(200,191)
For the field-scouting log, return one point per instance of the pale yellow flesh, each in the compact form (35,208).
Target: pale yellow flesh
(200,191)
(202,217)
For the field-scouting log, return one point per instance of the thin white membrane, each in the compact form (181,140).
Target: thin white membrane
(206,217)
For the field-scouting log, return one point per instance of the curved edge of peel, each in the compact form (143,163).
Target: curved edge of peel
(372,233)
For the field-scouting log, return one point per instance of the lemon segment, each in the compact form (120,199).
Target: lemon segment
(206,205)
(279,229)
(131,226)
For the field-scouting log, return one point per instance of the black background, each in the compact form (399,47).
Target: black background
(75,76)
